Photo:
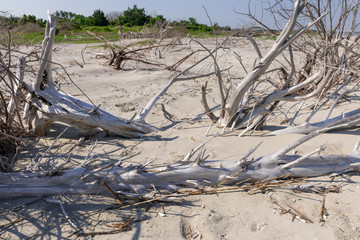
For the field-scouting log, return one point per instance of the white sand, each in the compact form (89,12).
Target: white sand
(230,215)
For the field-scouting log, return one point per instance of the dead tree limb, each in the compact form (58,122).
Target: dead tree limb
(48,105)
(347,120)
(177,78)
(328,65)
(120,55)
(143,179)
(283,41)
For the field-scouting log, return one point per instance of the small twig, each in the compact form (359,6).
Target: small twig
(193,151)
(178,63)
(94,110)
(296,114)
(144,165)
(297,161)
(52,172)
(222,87)
(323,212)
(166,113)
(112,192)
(88,157)
(253,125)
(357,145)
(210,114)
(147,201)
(232,177)
(208,130)
(96,170)
(300,214)
(132,118)
(251,151)
(82,54)
(49,148)
(255,45)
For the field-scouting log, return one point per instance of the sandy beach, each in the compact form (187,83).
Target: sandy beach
(226,214)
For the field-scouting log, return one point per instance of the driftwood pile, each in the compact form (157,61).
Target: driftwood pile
(328,75)
(241,107)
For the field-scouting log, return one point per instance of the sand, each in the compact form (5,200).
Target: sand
(225,215)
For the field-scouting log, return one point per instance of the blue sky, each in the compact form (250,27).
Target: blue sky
(220,11)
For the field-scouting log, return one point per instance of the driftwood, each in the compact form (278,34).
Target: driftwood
(142,179)
(329,65)
(129,53)
(239,98)
(132,52)
(241,106)
(337,49)
(346,120)
(47,105)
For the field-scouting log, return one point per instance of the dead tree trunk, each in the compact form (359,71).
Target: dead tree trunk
(143,179)
(47,105)
(240,106)
(329,64)
(335,47)
(283,41)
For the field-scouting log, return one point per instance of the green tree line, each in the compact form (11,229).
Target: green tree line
(133,16)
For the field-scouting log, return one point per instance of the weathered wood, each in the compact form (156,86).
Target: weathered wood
(346,120)
(176,78)
(49,105)
(132,179)
(142,179)
(283,41)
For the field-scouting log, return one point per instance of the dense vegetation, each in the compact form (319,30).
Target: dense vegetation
(133,19)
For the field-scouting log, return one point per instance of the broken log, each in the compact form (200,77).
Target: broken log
(185,174)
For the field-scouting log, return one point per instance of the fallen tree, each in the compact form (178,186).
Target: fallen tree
(332,45)
(45,104)
(143,179)
(330,60)
(133,52)
(240,106)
